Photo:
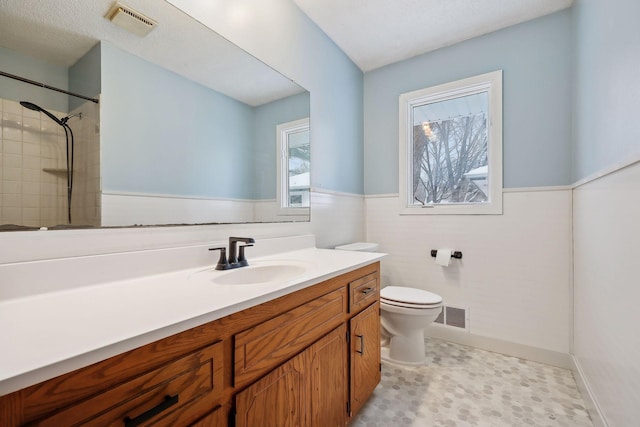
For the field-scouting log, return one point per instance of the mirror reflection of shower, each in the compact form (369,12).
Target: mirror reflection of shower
(33,169)
(69,146)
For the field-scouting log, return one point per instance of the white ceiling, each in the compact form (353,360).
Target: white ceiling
(62,31)
(374,33)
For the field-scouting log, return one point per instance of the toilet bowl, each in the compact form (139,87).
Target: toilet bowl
(404,315)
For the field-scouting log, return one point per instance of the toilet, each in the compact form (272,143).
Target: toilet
(404,315)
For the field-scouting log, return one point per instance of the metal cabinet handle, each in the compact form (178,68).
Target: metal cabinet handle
(168,402)
(361,337)
(368,290)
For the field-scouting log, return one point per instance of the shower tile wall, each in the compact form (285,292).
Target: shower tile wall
(86,205)
(33,168)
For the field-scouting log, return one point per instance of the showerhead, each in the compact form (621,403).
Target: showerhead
(30,106)
(35,107)
(70,116)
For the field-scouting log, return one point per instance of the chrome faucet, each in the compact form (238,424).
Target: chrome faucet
(236,255)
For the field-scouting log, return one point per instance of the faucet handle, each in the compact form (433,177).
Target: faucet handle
(223,264)
(242,260)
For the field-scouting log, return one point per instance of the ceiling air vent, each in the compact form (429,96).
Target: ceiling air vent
(131,20)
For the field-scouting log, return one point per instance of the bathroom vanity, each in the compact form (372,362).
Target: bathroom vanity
(309,357)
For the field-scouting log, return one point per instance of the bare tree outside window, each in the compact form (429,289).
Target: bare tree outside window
(450,159)
(450,148)
(299,153)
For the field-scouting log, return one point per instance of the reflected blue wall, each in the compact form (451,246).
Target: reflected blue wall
(34,69)
(267,118)
(164,134)
(84,77)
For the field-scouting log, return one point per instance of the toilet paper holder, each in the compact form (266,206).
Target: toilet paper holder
(454,254)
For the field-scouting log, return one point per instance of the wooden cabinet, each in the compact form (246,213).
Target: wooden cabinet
(365,355)
(308,390)
(175,393)
(363,291)
(294,364)
(328,380)
(276,400)
(264,346)
(216,418)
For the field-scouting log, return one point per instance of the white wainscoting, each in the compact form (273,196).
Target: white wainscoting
(124,209)
(515,274)
(339,215)
(336,218)
(606,220)
(269,211)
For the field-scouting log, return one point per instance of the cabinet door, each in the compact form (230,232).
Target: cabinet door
(328,379)
(365,355)
(277,399)
(263,347)
(309,390)
(215,418)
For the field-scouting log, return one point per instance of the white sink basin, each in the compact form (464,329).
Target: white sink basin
(256,274)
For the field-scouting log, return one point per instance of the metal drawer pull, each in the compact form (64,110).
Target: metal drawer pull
(169,401)
(361,337)
(368,290)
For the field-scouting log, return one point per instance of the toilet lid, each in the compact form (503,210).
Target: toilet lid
(409,296)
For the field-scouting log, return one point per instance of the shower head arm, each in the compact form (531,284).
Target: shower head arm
(64,120)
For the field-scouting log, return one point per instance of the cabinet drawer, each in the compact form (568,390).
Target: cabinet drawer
(270,343)
(176,393)
(363,291)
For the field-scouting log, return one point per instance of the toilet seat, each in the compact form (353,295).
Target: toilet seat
(400,296)
(409,305)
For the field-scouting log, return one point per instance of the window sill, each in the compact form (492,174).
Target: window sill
(293,212)
(459,209)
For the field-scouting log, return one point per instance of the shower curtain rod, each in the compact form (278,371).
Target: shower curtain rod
(33,82)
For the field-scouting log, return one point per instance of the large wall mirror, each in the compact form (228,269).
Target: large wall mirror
(178,126)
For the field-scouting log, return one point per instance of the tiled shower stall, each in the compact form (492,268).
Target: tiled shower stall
(33,174)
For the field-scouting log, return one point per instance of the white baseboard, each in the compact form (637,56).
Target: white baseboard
(535,354)
(589,400)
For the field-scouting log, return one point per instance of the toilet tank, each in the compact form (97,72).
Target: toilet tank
(359,246)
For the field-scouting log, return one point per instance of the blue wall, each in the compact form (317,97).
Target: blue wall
(84,77)
(313,60)
(267,118)
(286,39)
(607,107)
(33,69)
(162,133)
(536,59)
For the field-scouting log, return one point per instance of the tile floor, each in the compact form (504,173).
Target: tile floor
(465,386)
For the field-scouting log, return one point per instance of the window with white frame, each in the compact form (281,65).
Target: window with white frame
(294,163)
(451,147)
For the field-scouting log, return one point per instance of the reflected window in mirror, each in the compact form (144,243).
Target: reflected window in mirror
(294,163)
(223,103)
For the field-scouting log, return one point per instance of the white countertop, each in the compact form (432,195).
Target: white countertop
(51,333)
